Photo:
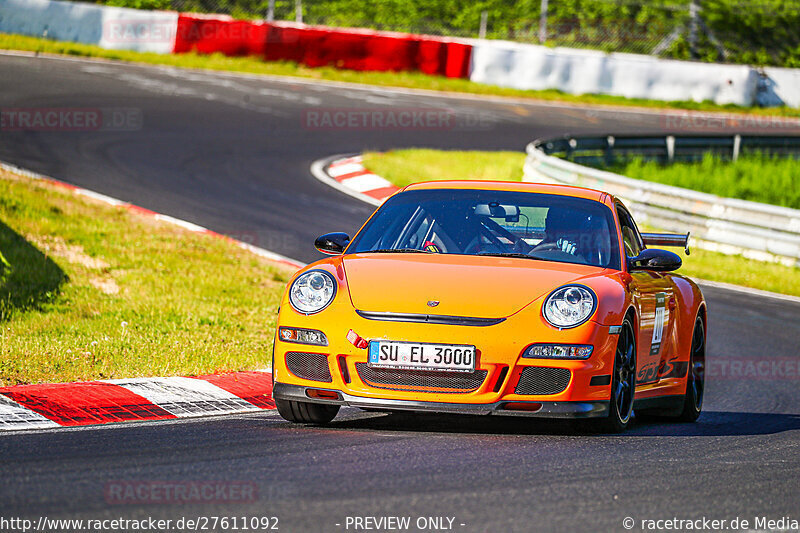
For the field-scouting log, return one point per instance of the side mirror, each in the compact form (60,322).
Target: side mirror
(654,259)
(332,243)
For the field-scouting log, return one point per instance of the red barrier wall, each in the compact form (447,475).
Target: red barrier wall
(317,46)
(207,35)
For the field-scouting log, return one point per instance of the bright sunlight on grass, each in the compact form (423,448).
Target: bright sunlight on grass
(755,177)
(402,167)
(90,291)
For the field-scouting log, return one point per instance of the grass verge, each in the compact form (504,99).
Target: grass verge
(409,80)
(402,167)
(756,177)
(89,291)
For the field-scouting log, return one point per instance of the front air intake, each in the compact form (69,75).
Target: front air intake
(542,381)
(311,366)
(421,380)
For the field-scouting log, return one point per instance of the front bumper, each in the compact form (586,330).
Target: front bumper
(547,409)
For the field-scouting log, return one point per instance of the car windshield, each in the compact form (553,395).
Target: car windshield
(495,223)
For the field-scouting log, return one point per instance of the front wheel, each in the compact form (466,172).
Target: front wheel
(623,382)
(306,412)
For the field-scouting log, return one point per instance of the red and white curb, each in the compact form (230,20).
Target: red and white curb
(272,256)
(137,399)
(348,175)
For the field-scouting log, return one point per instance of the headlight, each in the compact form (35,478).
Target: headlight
(569,306)
(312,292)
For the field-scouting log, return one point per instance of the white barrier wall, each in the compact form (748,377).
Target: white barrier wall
(783,86)
(525,66)
(113,28)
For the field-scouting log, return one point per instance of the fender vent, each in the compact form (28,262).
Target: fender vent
(541,380)
(311,366)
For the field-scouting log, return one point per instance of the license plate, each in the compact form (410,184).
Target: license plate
(422,356)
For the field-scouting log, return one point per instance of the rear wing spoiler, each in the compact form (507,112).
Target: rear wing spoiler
(667,239)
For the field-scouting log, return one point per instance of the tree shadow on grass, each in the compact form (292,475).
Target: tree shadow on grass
(28,278)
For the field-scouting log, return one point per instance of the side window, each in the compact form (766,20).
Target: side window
(630,235)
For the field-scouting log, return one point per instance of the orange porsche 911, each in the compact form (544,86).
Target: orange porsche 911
(493,298)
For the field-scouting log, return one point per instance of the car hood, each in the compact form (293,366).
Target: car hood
(469,286)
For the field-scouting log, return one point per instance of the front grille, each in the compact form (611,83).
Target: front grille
(540,380)
(311,366)
(421,380)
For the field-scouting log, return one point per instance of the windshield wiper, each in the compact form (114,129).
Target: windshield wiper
(398,251)
(508,254)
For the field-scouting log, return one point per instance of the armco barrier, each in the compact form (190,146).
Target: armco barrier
(113,28)
(759,231)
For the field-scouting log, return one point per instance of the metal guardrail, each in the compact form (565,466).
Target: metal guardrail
(759,231)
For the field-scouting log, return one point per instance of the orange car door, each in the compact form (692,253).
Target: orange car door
(654,292)
(651,293)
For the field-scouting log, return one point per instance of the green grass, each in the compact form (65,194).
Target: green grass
(409,80)
(89,291)
(755,177)
(402,167)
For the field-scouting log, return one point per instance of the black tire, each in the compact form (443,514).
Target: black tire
(696,379)
(623,382)
(306,412)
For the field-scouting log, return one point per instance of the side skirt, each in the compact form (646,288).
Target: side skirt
(660,405)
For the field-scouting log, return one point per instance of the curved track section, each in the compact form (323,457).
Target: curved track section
(232,153)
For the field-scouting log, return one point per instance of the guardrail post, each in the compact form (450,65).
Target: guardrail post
(609,155)
(737,142)
(571,145)
(670,148)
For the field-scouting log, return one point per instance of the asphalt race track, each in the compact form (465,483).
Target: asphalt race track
(232,153)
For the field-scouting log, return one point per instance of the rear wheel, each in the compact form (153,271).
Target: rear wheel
(306,412)
(696,380)
(623,382)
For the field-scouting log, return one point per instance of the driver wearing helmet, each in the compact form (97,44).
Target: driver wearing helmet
(576,233)
(562,227)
